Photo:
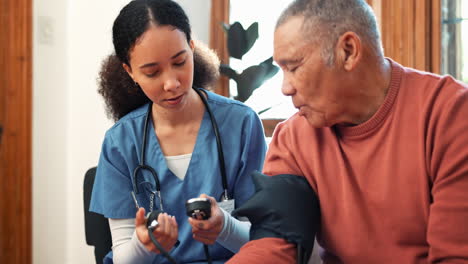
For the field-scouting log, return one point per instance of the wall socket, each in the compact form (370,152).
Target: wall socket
(45,30)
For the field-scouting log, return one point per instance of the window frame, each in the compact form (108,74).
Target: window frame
(218,42)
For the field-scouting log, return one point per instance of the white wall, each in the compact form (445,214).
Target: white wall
(49,133)
(70,40)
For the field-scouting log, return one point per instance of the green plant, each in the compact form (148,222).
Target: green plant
(239,42)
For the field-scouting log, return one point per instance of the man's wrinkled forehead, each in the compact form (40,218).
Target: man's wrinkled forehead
(289,39)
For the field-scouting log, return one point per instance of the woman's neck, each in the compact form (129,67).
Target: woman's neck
(191,112)
(177,130)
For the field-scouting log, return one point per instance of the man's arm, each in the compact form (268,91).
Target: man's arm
(447,232)
(265,250)
(279,160)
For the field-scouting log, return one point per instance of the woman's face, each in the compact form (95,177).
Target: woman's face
(161,62)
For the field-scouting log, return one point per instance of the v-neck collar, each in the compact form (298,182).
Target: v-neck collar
(155,155)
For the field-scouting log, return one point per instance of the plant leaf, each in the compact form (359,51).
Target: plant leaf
(264,110)
(228,71)
(236,41)
(271,69)
(251,36)
(253,77)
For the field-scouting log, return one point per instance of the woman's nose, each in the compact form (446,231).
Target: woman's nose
(171,81)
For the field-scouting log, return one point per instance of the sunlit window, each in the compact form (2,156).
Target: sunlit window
(269,94)
(454,39)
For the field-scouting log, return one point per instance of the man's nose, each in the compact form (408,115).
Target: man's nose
(286,88)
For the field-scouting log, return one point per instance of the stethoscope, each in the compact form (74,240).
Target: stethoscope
(142,166)
(152,216)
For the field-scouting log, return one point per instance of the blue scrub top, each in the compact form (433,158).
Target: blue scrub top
(244,148)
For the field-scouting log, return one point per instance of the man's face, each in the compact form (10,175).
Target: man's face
(313,86)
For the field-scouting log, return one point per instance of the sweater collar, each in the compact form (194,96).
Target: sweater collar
(384,109)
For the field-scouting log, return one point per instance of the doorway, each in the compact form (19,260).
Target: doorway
(15,131)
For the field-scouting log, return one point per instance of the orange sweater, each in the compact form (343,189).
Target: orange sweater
(393,189)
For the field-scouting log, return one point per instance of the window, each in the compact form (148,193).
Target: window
(269,94)
(454,39)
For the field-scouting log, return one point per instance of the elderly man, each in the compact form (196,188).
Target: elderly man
(384,147)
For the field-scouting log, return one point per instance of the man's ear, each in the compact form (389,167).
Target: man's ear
(128,70)
(349,50)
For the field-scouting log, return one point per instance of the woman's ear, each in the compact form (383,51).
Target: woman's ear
(192,45)
(128,70)
(349,50)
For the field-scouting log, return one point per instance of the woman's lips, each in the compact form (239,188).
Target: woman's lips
(175,100)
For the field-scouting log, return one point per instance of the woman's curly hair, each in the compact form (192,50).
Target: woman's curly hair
(120,93)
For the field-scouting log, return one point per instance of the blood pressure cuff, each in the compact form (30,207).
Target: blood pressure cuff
(284,206)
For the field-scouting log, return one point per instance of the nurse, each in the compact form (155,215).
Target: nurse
(154,72)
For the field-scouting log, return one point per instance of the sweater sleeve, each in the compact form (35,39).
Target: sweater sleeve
(265,250)
(280,157)
(447,232)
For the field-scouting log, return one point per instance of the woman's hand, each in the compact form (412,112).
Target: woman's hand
(166,232)
(207,231)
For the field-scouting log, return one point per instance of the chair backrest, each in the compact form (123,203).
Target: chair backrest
(97,230)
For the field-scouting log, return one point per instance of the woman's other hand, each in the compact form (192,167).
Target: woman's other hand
(166,232)
(207,231)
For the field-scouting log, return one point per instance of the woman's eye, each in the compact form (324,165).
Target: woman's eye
(153,74)
(180,63)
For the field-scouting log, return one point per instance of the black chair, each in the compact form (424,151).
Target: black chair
(97,229)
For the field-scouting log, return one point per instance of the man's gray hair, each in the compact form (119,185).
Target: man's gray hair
(326,20)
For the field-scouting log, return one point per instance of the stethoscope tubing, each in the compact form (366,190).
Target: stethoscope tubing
(142,165)
(219,144)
